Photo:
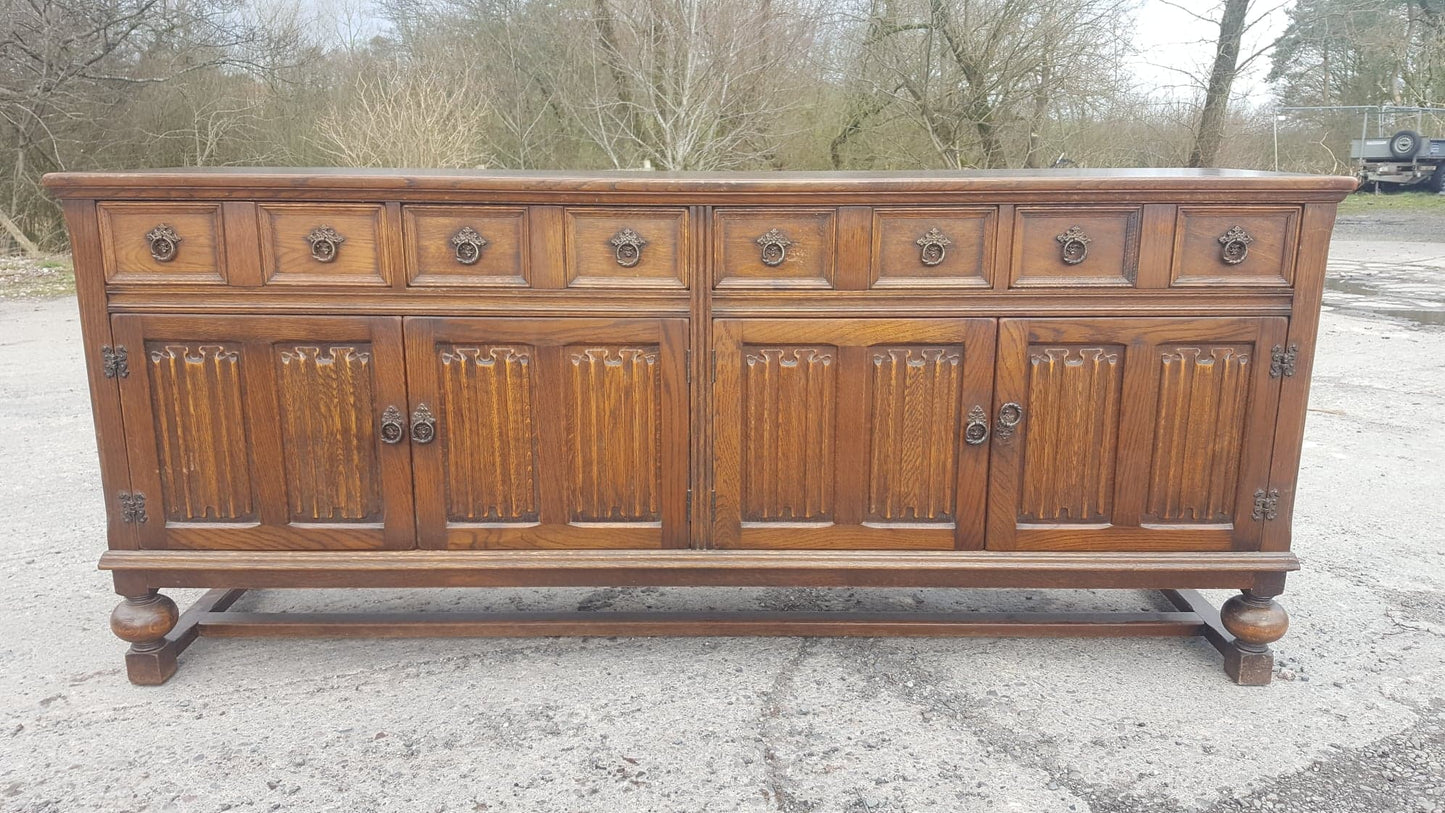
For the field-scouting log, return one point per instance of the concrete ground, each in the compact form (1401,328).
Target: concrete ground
(1355,722)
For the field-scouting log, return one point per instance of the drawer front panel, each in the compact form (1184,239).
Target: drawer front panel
(626,248)
(933,247)
(484,246)
(172,243)
(327,244)
(1221,245)
(1062,246)
(774,248)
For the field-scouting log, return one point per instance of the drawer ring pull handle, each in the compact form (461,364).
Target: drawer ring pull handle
(1234,245)
(423,425)
(774,247)
(627,247)
(932,247)
(164,242)
(393,427)
(1009,417)
(1073,245)
(468,245)
(976,432)
(325,244)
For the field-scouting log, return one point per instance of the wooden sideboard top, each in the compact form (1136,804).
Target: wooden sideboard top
(230,182)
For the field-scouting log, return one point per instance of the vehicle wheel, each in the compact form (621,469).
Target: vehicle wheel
(1405,144)
(1437,181)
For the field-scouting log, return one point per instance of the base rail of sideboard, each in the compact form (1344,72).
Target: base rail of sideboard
(212,616)
(136,570)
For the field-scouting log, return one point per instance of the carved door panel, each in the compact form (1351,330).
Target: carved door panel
(1131,433)
(253,432)
(550,433)
(852,433)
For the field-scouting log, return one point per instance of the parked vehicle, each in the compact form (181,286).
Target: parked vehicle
(1402,160)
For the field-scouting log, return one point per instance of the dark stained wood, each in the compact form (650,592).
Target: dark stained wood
(1269,257)
(593,261)
(199,258)
(1134,434)
(550,433)
(263,432)
(563,418)
(717,568)
(432,256)
(697,624)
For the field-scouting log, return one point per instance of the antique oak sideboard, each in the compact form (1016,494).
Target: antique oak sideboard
(1030,379)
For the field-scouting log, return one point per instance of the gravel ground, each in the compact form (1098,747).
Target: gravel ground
(1355,722)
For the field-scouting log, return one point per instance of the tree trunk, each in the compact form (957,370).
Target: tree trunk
(1210,135)
(15,232)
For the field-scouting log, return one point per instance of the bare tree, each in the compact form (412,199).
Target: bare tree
(967,72)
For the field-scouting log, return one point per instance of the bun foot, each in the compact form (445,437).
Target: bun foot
(144,621)
(1255,621)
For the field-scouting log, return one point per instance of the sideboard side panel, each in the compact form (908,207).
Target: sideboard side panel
(95,331)
(1304,323)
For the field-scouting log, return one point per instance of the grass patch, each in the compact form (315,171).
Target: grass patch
(1365,202)
(36,277)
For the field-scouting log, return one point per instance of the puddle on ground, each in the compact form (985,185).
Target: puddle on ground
(1411,294)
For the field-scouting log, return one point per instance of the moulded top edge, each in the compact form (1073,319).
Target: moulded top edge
(116,184)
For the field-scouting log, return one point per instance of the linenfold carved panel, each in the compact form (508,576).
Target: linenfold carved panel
(614,433)
(328,432)
(201,431)
(1198,432)
(915,424)
(489,447)
(1071,433)
(788,441)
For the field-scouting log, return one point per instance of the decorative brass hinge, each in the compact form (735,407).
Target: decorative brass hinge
(1281,360)
(114,361)
(687,362)
(689,505)
(132,507)
(1266,504)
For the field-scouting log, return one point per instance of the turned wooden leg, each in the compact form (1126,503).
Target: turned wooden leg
(1255,621)
(144,621)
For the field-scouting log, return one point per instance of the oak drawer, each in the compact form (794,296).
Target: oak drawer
(774,248)
(162,243)
(1075,246)
(1224,245)
(483,246)
(933,247)
(324,244)
(611,247)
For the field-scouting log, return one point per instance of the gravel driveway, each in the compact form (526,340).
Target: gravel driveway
(1355,722)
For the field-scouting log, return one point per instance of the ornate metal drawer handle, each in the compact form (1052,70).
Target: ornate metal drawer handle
(932,247)
(1234,245)
(165,242)
(976,432)
(775,247)
(423,425)
(627,247)
(1009,417)
(468,245)
(1074,245)
(393,426)
(325,243)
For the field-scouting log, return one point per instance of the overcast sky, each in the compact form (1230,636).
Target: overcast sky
(1169,40)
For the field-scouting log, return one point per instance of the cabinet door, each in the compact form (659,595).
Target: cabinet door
(257,432)
(550,433)
(856,433)
(1131,434)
